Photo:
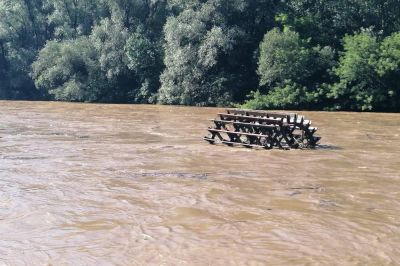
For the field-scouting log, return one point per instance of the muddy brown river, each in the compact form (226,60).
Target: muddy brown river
(88,184)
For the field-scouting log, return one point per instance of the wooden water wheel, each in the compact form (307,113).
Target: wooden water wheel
(262,129)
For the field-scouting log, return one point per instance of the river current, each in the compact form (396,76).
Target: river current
(92,184)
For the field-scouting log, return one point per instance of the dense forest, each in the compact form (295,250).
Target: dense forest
(299,54)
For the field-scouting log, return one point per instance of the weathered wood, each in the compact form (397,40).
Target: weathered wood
(216,121)
(237,133)
(210,140)
(245,145)
(259,112)
(268,139)
(263,129)
(245,118)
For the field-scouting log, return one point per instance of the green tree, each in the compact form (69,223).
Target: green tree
(145,60)
(326,22)
(292,74)
(283,56)
(210,49)
(70,19)
(388,69)
(368,73)
(109,65)
(358,87)
(69,70)
(22,31)
(88,68)
(288,95)
(195,40)
(203,52)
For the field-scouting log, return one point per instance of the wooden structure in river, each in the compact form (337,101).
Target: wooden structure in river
(262,129)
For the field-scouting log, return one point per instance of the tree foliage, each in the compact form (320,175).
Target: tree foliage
(368,73)
(292,72)
(67,70)
(283,56)
(334,54)
(195,41)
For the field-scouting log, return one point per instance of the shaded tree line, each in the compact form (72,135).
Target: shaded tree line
(299,54)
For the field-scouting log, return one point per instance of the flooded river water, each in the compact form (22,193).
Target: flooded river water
(94,184)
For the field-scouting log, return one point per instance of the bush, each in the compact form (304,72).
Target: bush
(368,73)
(288,96)
(388,69)
(282,56)
(292,73)
(68,70)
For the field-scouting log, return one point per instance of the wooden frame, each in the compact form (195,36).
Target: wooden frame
(262,129)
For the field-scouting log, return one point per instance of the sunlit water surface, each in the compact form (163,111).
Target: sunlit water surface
(93,184)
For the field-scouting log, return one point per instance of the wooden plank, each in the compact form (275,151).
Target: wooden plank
(245,145)
(242,118)
(249,112)
(236,111)
(243,124)
(238,133)
(210,140)
(269,145)
(269,114)
(291,118)
(231,143)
